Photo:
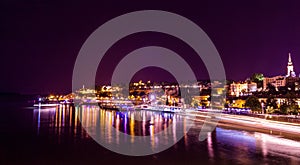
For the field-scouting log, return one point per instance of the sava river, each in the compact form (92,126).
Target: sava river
(58,135)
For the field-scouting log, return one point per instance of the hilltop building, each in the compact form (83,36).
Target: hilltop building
(290,68)
(242,88)
(280,81)
(277,81)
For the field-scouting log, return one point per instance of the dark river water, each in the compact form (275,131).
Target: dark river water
(58,136)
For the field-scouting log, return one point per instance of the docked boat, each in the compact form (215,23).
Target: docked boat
(45,105)
(118,105)
(159,108)
(40,102)
(108,106)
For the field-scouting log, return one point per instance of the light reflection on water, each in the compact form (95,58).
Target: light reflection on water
(244,143)
(149,129)
(242,146)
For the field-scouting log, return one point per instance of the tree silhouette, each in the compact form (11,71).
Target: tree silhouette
(253,103)
(284,108)
(258,79)
(271,102)
(271,89)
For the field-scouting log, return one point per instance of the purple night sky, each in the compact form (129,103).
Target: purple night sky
(40,39)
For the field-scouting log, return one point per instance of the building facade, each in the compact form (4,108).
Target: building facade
(290,68)
(242,88)
(277,81)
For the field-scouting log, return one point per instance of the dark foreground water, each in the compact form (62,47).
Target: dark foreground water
(56,136)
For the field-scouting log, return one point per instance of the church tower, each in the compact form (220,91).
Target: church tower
(290,68)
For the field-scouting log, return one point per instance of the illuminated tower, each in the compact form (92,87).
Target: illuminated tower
(290,68)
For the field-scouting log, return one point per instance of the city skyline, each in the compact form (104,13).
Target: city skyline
(150,82)
(39,58)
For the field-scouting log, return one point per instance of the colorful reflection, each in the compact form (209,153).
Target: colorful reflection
(109,124)
(58,122)
(70,120)
(245,147)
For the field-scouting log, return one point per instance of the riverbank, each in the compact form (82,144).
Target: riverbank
(248,123)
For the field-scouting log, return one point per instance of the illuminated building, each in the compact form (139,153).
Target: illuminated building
(292,82)
(201,101)
(280,81)
(277,81)
(291,79)
(290,68)
(239,103)
(242,89)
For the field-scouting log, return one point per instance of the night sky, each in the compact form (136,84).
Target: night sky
(40,39)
